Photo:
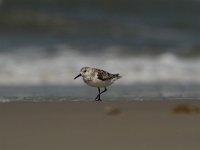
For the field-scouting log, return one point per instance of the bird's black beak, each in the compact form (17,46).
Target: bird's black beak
(77,76)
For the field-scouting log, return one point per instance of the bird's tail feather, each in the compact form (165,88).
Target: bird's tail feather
(118,76)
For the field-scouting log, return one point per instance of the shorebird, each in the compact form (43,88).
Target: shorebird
(98,78)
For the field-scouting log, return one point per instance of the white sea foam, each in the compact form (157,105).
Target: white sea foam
(36,65)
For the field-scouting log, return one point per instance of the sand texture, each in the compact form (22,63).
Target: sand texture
(129,125)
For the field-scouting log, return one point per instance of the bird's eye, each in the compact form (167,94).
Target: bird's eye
(85,71)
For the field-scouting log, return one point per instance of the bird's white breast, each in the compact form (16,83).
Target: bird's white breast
(98,83)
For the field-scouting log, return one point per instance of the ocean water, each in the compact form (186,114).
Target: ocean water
(33,74)
(35,65)
(153,44)
(136,92)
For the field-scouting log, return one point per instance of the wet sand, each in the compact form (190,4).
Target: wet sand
(129,125)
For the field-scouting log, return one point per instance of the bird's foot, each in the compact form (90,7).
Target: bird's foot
(97,98)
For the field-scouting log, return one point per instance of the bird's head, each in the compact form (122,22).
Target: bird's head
(84,72)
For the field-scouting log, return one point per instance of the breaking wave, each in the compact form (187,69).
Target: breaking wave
(37,65)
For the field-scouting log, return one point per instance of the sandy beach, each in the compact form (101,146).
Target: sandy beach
(129,125)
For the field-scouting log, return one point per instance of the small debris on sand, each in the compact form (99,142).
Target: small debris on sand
(185,108)
(112,110)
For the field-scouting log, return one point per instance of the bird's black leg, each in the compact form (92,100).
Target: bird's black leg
(105,89)
(98,98)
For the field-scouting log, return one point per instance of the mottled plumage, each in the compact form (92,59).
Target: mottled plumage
(104,75)
(97,78)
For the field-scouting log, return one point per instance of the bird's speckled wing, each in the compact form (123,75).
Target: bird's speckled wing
(103,75)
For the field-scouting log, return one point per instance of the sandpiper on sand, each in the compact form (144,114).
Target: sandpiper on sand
(98,78)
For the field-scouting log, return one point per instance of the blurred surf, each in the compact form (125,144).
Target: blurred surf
(36,65)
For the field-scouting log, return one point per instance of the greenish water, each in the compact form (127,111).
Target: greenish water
(147,41)
(157,25)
